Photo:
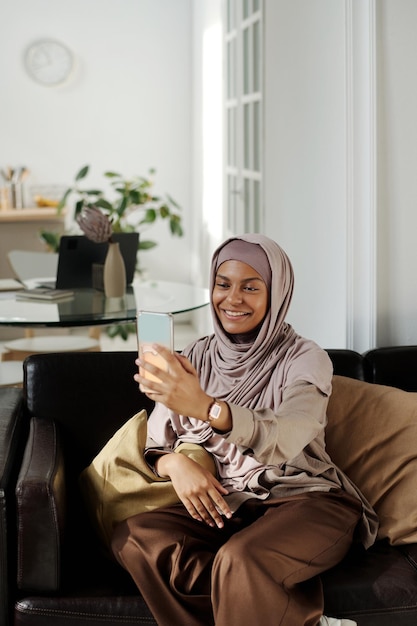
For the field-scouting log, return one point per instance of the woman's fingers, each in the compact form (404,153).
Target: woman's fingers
(149,377)
(186,364)
(204,510)
(153,368)
(209,507)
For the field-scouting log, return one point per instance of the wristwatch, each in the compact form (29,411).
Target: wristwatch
(214,410)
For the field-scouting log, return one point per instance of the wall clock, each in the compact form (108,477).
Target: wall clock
(48,62)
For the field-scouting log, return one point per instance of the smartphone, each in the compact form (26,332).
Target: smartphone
(154,328)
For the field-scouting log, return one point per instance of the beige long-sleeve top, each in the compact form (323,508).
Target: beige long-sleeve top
(266,453)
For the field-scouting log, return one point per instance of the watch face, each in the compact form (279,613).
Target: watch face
(48,62)
(215,411)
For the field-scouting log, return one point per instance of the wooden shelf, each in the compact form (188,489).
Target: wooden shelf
(20,230)
(31,215)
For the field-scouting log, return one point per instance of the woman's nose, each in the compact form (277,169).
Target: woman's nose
(235,295)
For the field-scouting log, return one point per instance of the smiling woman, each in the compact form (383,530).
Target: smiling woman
(254,395)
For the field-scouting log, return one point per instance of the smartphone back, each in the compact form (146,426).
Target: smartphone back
(153,327)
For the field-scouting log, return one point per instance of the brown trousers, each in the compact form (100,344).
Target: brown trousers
(261,568)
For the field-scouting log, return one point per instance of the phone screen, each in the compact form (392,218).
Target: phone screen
(154,328)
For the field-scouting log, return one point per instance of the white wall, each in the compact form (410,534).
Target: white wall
(397,167)
(341,159)
(207,133)
(207,145)
(305,158)
(127,108)
(137,101)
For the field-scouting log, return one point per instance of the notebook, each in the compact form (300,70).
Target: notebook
(10,284)
(43,293)
(79,257)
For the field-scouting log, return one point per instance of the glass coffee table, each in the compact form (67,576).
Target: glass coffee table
(90,307)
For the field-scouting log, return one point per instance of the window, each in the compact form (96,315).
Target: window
(243,115)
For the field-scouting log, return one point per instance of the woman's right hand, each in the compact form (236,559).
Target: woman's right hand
(199,491)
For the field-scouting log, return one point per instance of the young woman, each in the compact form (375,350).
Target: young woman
(246,546)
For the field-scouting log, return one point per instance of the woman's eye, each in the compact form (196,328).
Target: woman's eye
(222,285)
(249,288)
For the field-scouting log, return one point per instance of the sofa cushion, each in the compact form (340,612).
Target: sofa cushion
(372,435)
(119,483)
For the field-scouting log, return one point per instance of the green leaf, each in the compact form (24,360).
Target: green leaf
(83,172)
(120,330)
(137,197)
(122,207)
(175,227)
(116,226)
(121,190)
(164,211)
(79,207)
(104,204)
(63,201)
(111,331)
(172,201)
(93,192)
(149,217)
(51,240)
(112,175)
(127,228)
(122,333)
(146,244)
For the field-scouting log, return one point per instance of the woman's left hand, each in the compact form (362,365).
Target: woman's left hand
(177,387)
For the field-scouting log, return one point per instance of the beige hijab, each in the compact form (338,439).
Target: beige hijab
(253,373)
(250,374)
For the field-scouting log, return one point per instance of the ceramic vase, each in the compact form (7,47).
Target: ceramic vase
(114,273)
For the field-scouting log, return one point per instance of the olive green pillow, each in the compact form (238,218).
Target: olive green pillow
(119,483)
(372,436)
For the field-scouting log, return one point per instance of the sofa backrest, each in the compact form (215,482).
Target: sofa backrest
(91,394)
(394,366)
(347,363)
(80,399)
(88,394)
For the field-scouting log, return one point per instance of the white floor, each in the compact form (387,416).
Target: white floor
(184,333)
(186,329)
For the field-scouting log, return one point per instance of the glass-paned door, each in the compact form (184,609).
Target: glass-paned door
(243,20)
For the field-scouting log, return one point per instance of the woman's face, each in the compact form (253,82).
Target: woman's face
(240,297)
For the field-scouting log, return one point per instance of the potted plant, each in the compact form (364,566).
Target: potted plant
(131,206)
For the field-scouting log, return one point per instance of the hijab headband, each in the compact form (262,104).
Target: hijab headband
(250,253)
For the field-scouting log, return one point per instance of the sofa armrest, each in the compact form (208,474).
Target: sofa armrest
(41,509)
(12,437)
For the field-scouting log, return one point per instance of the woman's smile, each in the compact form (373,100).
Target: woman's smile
(235,313)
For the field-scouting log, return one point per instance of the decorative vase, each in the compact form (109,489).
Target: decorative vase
(114,273)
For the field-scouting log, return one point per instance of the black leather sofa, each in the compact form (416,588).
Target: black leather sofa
(12,441)
(53,571)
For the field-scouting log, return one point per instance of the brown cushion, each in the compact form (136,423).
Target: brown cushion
(372,436)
